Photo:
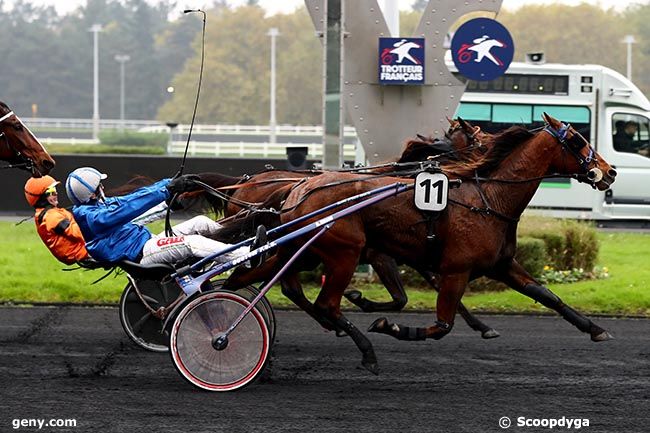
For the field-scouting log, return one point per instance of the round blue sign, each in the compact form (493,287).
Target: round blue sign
(482,49)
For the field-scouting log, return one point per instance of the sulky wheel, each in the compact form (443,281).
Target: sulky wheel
(250,292)
(142,327)
(202,359)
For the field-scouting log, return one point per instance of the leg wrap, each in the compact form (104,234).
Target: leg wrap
(410,334)
(550,300)
(443,329)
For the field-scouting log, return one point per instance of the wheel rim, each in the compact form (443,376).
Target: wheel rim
(140,326)
(219,370)
(249,293)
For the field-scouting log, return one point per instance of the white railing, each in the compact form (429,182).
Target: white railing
(71,140)
(156,126)
(246,149)
(234,149)
(43,122)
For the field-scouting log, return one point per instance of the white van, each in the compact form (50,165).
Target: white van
(602,104)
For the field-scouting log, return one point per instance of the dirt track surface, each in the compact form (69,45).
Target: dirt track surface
(77,363)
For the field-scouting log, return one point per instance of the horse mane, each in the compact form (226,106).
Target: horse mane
(4,106)
(420,148)
(500,146)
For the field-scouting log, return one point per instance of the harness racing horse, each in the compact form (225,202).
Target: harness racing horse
(268,189)
(19,147)
(475,234)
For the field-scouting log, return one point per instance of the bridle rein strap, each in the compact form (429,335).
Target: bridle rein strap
(573,148)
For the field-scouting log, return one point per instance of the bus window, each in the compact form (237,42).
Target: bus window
(473,112)
(497,117)
(631,133)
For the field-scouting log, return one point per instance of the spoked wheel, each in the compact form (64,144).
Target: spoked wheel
(249,293)
(197,353)
(142,327)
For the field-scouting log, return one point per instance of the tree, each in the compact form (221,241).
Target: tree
(236,82)
(579,34)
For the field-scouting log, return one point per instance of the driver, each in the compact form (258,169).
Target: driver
(111,236)
(55,225)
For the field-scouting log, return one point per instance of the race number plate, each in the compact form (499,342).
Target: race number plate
(431,191)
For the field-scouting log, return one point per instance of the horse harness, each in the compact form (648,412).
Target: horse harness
(25,163)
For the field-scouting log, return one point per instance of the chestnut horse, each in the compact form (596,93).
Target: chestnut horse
(475,234)
(266,190)
(19,147)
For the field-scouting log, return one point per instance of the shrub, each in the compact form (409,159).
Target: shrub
(531,254)
(569,244)
(555,247)
(581,245)
(132,138)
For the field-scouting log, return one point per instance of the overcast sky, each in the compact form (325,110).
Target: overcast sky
(275,6)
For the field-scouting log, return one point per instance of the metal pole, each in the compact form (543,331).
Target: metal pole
(95,29)
(333,34)
(273,32)
(122,59)
(629,40)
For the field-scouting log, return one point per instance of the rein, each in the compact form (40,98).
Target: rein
(225,197)
(168,226)
(561,136)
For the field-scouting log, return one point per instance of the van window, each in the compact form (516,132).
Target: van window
(496,117)
(631,133)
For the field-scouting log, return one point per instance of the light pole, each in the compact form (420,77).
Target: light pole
(95,29)
(629,40)
(122,59)
(273,32)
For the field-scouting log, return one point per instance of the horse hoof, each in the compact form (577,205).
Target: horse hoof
(379,325)
(603,336)
(490,333)
(352,296)
(372,367)
(341,333)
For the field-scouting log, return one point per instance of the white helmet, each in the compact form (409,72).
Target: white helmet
(83,183)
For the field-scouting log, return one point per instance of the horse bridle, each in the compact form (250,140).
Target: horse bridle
(474,142)
(574,145)
(25,162)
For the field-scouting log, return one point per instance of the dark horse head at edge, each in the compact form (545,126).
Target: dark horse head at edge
(19,147)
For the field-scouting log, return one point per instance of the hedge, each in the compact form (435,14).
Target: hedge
(542,243)
(132,138)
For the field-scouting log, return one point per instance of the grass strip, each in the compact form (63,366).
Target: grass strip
(31,274)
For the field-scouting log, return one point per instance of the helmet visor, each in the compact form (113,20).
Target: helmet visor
(51,190)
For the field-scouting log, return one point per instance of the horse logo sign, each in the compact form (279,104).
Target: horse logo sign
(482,49)
(401,60)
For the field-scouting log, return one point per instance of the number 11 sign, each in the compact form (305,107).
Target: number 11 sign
(431,191)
